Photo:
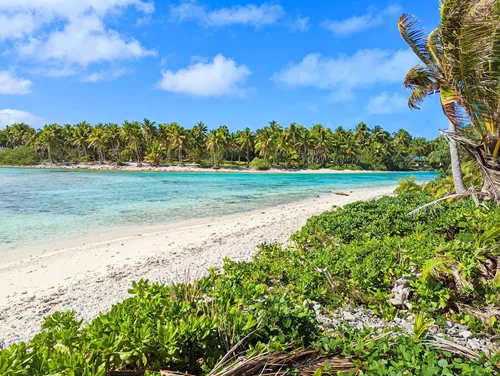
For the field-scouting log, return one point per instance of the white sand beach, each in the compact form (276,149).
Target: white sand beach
(89,275)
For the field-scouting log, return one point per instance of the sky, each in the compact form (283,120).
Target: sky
(234,63)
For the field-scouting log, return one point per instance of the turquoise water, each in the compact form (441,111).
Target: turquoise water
(43,206)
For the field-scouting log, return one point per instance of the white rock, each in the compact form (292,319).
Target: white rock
(465,334)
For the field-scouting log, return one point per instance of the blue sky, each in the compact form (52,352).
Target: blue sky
(222,62)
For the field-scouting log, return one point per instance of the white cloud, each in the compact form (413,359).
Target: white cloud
(386,103)
(82,42)
(9,116)
(301,24)
(257,16)
(221,76)
(68,35)
(345,73)
(358,24)
(107,75)
(9,84)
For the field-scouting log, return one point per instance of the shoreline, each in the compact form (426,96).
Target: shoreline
(89,278)
(196,169)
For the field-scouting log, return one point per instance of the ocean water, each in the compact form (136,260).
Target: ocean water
(39,206)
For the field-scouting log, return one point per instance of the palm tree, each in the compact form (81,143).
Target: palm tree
(361,133)
(98,139)
(197,138)
(150,131)
(216,140)
(177,135)
(80,135)
(48,140)
(19,134)
(470,40)
(155,153)
(264,143)
(245,142)
(132,135)
(434,76)
(402,139)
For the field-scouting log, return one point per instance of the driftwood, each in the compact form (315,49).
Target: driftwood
(340,194)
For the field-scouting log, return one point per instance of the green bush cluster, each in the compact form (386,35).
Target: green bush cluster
(258,164)
(21,156)
(350,254)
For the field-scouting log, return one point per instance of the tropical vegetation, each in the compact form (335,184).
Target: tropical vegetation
(271,146)
(238,316)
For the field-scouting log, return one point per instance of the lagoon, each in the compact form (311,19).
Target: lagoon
(41,206)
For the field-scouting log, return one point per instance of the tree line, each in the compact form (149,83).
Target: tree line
(273,145)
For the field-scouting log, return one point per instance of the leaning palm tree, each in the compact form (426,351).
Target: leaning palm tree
(431,77)
(471,40)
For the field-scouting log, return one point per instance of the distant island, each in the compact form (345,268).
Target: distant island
(144,145)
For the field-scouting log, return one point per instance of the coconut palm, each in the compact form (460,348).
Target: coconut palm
(470,40)
(433,76)
(98,139)
(48,140)
(244,141)
(155,153)
(216,141)
(178,136)
(264,143)
(132,136)
(150,131)
(19,134)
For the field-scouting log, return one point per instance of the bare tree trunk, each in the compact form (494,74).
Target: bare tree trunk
(455,161)
(180,157)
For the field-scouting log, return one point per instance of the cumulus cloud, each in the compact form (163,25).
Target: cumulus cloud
(219,77)
(9,116)
(11,85)
(69,33)
(84,41)
(253,15)
(386,103)
(345,73)
(357,24)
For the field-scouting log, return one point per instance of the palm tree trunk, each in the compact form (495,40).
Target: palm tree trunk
(455,161)
(180,157)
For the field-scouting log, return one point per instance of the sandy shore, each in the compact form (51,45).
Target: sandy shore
(90,276)
(193,168)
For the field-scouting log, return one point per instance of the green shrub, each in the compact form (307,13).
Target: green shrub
(258,164)
(314,166)
(407,186)
(20,156)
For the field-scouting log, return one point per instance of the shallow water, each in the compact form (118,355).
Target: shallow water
(43,206)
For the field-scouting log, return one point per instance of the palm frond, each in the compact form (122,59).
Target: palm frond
(415,37)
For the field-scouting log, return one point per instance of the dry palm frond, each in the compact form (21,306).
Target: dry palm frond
(484,314)
(462,351)
(435,203)
(303,362)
